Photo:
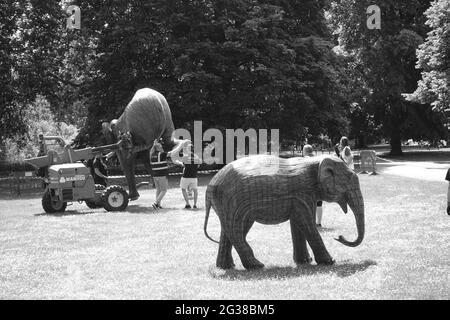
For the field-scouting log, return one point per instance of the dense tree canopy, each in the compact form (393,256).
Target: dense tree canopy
(241,63)
(230,63)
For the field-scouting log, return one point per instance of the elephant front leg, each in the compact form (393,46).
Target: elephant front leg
(301,254)
(304,219)
(315,241)
(127,161)
(224,257)
(134,194)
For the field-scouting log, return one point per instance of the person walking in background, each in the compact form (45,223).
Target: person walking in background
(307,153)
(189,180)
(345,153)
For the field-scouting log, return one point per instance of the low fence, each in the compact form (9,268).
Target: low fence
(18,182)
(21,182)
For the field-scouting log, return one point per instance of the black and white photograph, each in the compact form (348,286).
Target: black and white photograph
(223,155)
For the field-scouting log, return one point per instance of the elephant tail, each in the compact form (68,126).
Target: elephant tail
(208,208)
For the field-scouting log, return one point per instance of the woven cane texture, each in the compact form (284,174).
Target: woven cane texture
(272,190)
(147,116)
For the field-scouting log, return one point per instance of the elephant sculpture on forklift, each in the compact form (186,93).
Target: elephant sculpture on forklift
(147,117)
(272,190)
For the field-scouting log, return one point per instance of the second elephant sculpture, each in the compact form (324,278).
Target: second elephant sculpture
(146,117)
(272,190)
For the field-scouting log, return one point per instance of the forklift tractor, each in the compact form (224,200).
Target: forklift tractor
(73,182)
(69,180)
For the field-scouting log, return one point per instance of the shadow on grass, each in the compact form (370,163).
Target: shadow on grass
(24,196)
(138,209)
(64,214)
(342,270)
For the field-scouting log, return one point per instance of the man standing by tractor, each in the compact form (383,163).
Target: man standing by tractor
(98,169)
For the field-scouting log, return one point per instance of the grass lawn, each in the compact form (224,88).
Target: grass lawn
(147,254)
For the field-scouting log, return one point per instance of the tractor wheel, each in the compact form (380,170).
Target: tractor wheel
(51,206)
(115,198)
(96,202)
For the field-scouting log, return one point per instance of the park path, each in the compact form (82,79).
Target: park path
(431,171)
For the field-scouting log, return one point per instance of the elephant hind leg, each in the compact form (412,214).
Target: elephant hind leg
(301,254)
(224,257)
(238,238)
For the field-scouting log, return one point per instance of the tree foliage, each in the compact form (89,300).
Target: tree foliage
(234,63)
(10,117)
(40,58)
(38,118)
(229,63)
(386,58)
(434,59)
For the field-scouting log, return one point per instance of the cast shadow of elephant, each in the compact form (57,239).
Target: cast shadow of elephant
(343,269)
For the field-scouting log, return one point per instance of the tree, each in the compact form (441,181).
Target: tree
(10,113)
(37,118)
(39,56)
(434,59)
(232,63)
(40,60)
(386,56)
(54,61)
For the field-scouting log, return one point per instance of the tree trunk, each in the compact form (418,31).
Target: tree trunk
(361,142)
(396,142)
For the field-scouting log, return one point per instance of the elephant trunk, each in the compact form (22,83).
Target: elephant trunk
(356,203)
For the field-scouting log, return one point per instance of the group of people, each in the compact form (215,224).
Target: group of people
(160,170)
(189,181)
(191,163)
(344,152)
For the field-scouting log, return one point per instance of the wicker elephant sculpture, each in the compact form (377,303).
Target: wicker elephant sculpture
(272,190)
(146,117)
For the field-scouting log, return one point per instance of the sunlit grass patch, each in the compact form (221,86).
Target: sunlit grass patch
(148,254)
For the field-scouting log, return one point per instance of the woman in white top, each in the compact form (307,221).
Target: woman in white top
(346,153)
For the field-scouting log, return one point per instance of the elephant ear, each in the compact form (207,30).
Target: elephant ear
(330,177)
